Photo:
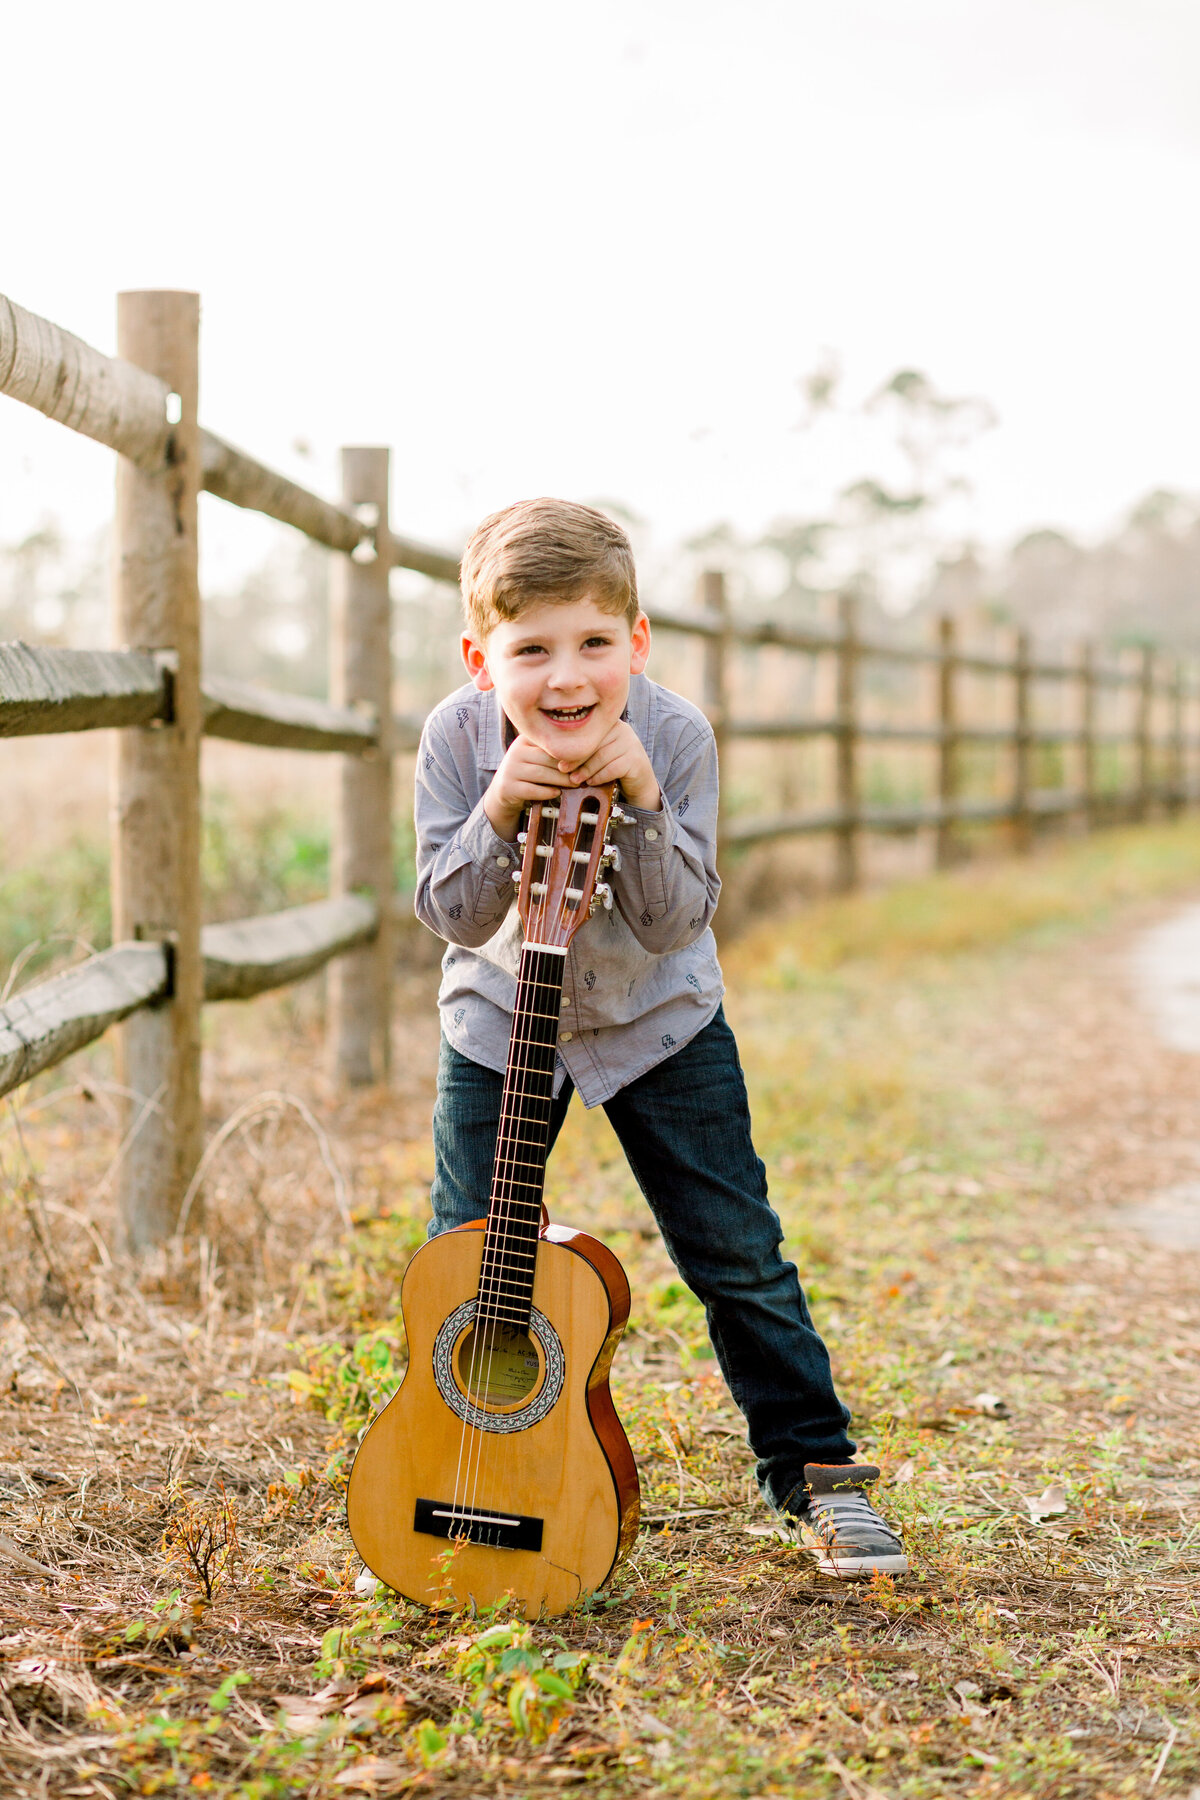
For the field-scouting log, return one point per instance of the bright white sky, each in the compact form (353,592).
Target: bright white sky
(547,246)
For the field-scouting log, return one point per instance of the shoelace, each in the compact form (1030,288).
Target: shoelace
(836,1513)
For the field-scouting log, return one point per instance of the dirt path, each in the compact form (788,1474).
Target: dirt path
(1101,1041)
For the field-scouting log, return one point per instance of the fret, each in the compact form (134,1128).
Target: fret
(517,1141)
(531,1101)
(509,1273)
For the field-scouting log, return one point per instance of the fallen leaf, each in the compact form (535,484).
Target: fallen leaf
(370,1771)
(1048,1505)
(904,1473)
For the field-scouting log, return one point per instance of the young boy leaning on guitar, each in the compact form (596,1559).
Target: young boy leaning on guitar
(555,646)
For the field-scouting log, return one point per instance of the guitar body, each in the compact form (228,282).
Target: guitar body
(532,1493)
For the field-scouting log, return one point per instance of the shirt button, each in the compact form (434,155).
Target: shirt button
(565,1036)
(651,833)
(566,999)
(502,862)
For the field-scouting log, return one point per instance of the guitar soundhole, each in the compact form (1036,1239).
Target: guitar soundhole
(539,1387)
(498,1365)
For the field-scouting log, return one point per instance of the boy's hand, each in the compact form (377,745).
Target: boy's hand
(526,774)
(621,756)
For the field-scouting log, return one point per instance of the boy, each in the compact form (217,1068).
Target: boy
(555,646)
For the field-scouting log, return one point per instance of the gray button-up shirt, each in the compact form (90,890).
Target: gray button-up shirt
(641,980)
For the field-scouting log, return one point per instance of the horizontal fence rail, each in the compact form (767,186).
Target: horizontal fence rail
(52,1020)
(129,410)
(45,691)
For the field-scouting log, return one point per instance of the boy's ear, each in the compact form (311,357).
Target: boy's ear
(475,659)
(639,637)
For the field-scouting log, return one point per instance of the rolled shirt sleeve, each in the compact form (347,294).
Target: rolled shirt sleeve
(667,886)
(464,867)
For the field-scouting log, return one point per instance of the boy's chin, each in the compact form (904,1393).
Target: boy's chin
(567,748)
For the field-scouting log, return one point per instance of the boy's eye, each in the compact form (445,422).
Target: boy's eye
(532,650)
(597,643)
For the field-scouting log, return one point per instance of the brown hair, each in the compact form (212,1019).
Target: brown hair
(539,550)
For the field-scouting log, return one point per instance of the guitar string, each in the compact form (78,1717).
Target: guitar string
(472,1433)
(495,1456)
(528,1051)
(471,1430)
(473,1436)
(486,1473)
(535,968)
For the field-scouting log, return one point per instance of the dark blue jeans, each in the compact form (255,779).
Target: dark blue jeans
(685,1128)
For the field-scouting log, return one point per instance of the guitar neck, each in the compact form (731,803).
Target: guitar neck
(515,1210)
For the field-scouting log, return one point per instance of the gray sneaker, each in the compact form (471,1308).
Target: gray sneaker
(838,1525)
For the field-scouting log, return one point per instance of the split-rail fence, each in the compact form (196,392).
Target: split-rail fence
(165,963)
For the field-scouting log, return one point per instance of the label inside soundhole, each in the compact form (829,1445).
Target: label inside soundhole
(497,1364)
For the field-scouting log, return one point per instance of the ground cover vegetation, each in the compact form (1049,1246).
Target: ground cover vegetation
(955,1096)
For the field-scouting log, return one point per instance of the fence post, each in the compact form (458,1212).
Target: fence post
(948,742)
(1177,765)
(713,600)
(1087,734)
(846,866)
(156,779)
(1022,746)
(359,1015)
(1145,703)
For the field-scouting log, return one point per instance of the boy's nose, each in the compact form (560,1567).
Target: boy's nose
(565,676)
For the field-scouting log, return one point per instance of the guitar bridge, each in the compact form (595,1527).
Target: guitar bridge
(498,1530)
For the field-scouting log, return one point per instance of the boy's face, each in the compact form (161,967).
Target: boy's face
(561,672)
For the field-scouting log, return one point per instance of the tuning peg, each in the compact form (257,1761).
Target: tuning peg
(619,816)
(522,838)
(611,859)
(604,895)
(516,878)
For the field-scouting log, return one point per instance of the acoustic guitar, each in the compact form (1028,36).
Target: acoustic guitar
(499,1466)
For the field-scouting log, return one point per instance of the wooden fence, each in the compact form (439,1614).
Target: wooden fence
(1163,693)
(164,964)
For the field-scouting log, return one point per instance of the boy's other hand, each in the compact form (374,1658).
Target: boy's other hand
(621,756)
(526,774)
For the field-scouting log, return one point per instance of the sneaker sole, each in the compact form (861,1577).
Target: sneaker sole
(856,1568)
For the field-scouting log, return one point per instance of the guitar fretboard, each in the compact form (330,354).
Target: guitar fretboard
(515,1210)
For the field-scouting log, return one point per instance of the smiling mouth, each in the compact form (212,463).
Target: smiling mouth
(568,715)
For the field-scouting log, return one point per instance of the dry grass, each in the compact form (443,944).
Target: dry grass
(954,1095)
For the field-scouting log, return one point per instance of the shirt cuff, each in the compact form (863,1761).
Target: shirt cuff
(655,830)
(493,855)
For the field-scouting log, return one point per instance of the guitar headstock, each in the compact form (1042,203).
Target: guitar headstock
(566,850)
